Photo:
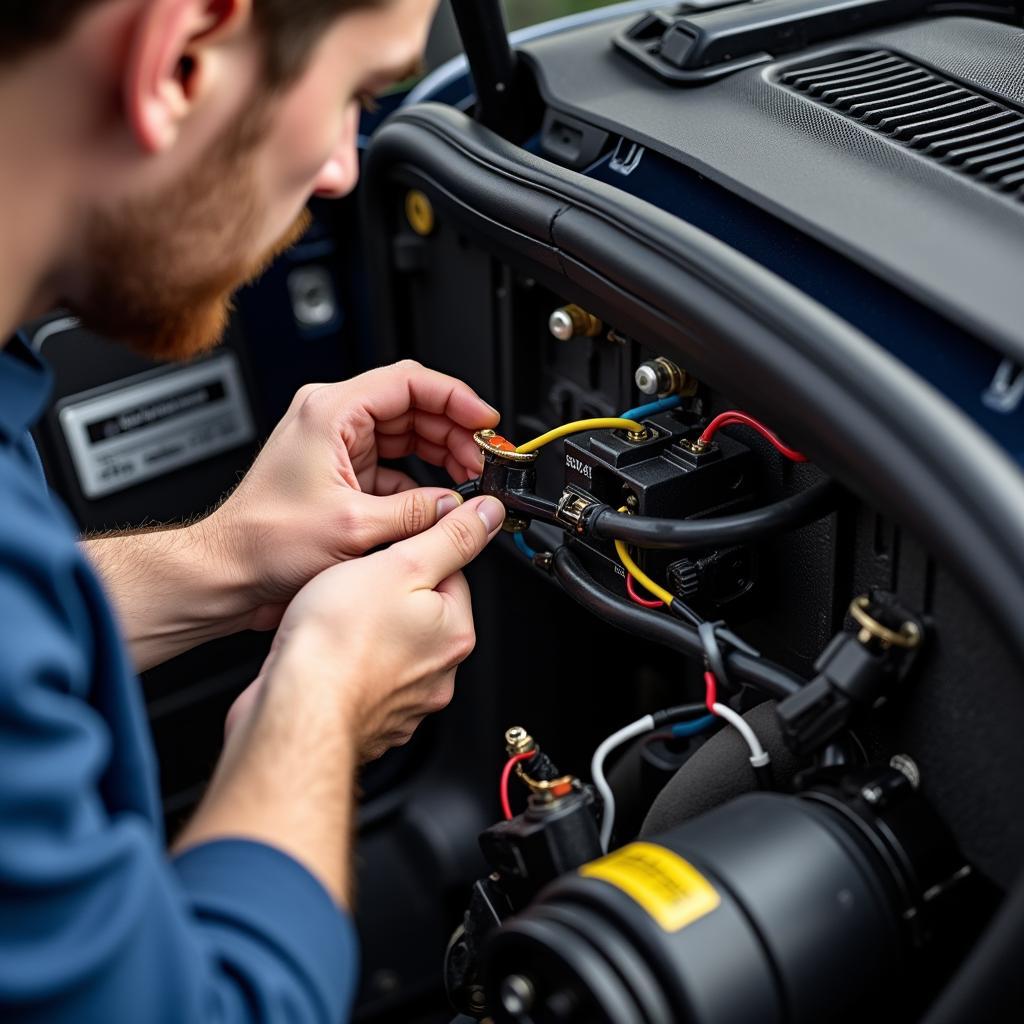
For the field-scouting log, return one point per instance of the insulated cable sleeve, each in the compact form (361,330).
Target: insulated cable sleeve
(687,534)
(759,673)
(653,408)
(524,548)
(577,427)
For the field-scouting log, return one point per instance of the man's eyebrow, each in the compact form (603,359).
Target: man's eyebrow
(415,68)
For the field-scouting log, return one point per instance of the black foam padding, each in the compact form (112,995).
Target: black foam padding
(720,771)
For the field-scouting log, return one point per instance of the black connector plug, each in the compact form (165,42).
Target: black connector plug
(855,672)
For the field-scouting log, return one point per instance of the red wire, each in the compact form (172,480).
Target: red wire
(711,696)
(735,416)
(506,774)
(631,590)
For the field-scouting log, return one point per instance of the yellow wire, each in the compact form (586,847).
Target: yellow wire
(605,423)
(638,574)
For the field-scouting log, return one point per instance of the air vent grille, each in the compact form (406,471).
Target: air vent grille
(960,128)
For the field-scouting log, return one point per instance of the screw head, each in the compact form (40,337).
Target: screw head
(561,325)
(517,994)
(646,380)
(419,212)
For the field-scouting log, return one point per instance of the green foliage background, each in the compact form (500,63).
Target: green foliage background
(529,12)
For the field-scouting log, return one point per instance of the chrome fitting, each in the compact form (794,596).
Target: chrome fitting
(572,508)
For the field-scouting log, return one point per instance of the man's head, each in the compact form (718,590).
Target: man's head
(200,129)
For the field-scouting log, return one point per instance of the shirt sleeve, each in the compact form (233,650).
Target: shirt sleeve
(95,923)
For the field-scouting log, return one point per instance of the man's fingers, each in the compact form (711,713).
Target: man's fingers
(452,544)
(431,437)
(389,392)
(393,481)
(371,520)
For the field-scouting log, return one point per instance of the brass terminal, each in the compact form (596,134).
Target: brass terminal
(518,740)
(548,790)
(908,636)
(636,436)
(573,321)
(489,441)
(697,447)
(662,377)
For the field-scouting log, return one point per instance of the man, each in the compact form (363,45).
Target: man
(154,153)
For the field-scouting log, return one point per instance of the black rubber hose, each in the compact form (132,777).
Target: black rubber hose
(788,514)
(759,673)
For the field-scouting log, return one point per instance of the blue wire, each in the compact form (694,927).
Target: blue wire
(520,542)
(683,729)
(653,407)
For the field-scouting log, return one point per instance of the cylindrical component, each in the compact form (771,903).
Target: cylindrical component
(572,321)
(661,377)
(770,908)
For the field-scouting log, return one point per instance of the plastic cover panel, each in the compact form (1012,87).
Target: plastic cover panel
(943,238)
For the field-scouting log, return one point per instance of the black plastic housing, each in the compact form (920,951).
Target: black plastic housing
(660,478)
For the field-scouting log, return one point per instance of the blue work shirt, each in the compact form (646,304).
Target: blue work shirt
(96,923)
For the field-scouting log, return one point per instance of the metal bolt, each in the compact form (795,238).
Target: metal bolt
(647,379)
(907,767)
(517,994)
(573,321)
(561,325)
(636,436)
(872,794)
(517,738)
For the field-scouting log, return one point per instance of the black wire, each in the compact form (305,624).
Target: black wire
(714,657)
(678,713)
(685,534)
(759,673)
(685,612)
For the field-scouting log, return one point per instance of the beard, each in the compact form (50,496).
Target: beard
(163,269)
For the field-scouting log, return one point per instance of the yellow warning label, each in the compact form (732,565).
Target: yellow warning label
(669,888)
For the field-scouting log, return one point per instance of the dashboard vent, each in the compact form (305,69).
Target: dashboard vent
(962,129)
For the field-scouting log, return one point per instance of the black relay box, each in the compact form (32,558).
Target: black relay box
(664,477)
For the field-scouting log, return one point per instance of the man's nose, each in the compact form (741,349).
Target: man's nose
(340,173)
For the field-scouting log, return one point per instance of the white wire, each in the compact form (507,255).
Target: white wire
(758,756)
(641,725)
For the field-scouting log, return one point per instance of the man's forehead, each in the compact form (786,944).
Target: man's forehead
(393,37)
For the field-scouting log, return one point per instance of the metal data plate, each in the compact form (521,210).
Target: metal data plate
(154,423)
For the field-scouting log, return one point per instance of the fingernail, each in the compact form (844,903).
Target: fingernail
(495,411)
(447,504)
(492,512)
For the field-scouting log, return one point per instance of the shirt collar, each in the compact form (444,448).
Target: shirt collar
(25,384)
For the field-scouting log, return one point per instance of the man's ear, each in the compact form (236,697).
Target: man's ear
(170,47)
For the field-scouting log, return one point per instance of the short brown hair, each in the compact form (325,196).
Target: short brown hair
(290,27)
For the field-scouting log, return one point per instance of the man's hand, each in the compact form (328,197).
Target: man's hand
(316,496)
(364,653)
